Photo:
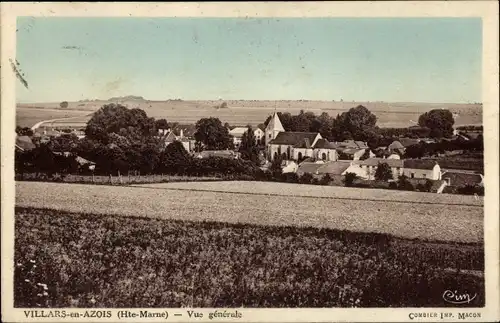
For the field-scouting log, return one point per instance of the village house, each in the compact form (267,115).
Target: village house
(370,166)
(217,153)
(169,137)
(422,168)
(335,169)
(460,178)
(238,132)
(412,168)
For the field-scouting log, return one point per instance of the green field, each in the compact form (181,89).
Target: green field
(254,112)
(67,259)
(411,215)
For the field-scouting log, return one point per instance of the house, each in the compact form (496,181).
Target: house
(80,160)
(218,153)
(289,166)
(407,142)
(396,147)
(171,137)
(352,149)
(238,132)
(24,143)
(421,168)
(341,167)
(335,169)
(460,178)
(393,156)
(309,167)
(370,166)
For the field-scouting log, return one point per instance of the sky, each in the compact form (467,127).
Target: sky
(361,59)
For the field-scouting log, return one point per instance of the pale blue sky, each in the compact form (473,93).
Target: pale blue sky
(374,59)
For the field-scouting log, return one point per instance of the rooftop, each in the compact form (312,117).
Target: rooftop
(293,138)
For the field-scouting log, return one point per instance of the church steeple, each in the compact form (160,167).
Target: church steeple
(273,128)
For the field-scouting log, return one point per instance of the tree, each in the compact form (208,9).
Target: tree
(175,159)
(63,104)
(212,134)
(115,118)
(365,155)
(405,184)
(415,151)
(354,123)
(439,121)
(161,124)
(24,131)
(349,179)
(248,148)
(383,172)
(275,167)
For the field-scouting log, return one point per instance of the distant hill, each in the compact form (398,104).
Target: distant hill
(127,98)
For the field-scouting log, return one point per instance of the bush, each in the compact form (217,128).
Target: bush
(326,179)
(393,185)
(349,179)
(307,178)
(471,190)
(315,181)
(291,177)
(404,184)
(421,188)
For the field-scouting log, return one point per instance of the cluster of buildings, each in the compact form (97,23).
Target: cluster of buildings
(308,152)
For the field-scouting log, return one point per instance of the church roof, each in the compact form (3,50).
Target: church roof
(325,144)
(294,138)
(275,123)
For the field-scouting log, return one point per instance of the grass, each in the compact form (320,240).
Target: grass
(67,259)
(357,210)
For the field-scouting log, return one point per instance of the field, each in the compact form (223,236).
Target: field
(242,244)
(27,117)
(254,112)
(93,260)
(403,214)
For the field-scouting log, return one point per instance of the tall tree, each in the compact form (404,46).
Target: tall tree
(212,134)
(116,118)
(355,124)
(439,121)
(248,148)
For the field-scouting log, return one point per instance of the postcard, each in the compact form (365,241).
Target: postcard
(250,162)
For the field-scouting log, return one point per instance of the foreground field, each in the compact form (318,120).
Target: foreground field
(254,112)
(316,191)
(461,222)
(93,260)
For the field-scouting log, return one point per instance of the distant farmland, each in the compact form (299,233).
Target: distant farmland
(244,112)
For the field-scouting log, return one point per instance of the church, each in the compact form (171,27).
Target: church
(296,145)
